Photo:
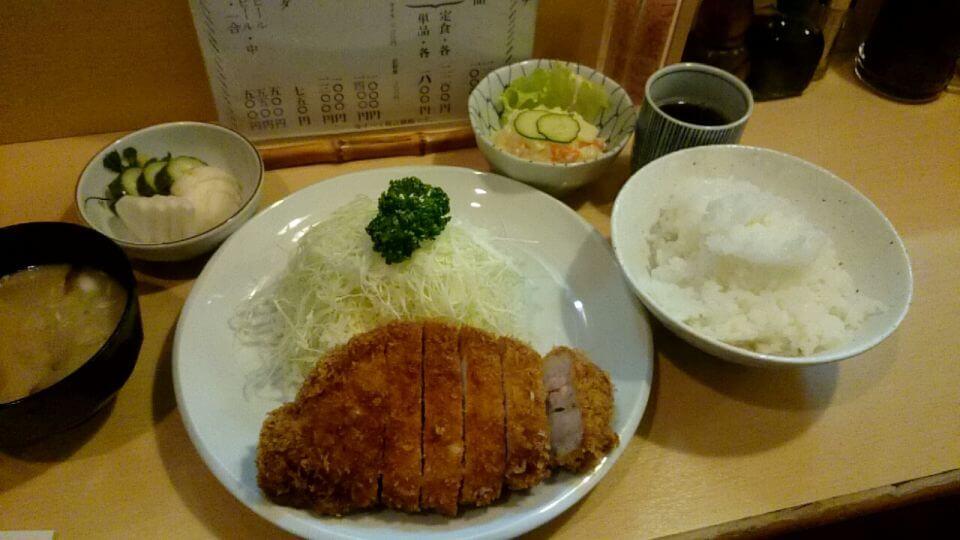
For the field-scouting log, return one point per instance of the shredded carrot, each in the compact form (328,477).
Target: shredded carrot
(563,154)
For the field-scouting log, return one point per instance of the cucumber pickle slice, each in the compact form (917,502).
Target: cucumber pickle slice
(526,124)
(129,178)
(561,128)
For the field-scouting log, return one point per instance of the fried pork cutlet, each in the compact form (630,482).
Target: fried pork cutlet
(428,416)
(324,450)
(366,392)
(442,419)
(528,443)
(580,409)
(402,458)
(483,419)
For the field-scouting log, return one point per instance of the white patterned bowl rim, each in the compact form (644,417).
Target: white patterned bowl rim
(616,124)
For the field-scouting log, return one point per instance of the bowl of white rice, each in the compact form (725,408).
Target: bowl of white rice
(759,257)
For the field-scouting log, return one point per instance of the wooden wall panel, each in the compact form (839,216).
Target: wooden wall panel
(71,68)
(570,30)
(640,32)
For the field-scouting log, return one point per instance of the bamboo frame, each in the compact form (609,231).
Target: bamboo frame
(349,147)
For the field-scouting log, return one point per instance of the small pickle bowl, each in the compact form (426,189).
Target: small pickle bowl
(76,397)
(866,244)
(616,124)
(215,145)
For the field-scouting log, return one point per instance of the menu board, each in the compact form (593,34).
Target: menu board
(289,68)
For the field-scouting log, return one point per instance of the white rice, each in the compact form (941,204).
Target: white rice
(746,267)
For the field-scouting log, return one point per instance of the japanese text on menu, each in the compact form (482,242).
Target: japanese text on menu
(287,68)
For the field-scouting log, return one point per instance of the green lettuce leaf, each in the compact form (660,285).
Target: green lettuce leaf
(557,87)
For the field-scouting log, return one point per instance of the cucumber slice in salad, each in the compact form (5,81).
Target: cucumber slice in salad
(526,124)
(560,128)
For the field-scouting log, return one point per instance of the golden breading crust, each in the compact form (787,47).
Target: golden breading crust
(424,416)
(484,451)
(288,470)
(299,457)
(401,452)
(366,393)
(324,450)
(442,419)
(594,395)
(528,441)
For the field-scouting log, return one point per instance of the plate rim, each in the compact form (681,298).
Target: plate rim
(524,522)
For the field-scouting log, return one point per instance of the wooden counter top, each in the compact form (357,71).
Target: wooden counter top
(720,445)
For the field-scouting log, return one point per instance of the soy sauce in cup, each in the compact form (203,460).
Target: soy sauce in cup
(694,113)
(688,105)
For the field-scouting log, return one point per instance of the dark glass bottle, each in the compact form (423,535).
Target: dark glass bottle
(785,48)
(911,51)
(718,36)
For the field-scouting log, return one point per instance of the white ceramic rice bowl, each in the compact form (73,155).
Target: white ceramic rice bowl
(865,240)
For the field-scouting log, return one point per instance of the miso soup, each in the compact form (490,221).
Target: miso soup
(52,319)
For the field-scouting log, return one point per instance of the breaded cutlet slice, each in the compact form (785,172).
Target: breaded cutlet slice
(324,450)
(300,452)
(483,421)
(366,392)
(442,419)
(580,409)
(402,463)
(289,471)
(527,437)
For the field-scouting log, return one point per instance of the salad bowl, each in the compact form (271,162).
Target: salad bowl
(615,125)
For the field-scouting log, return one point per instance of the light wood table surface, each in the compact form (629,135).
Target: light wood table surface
(721,448)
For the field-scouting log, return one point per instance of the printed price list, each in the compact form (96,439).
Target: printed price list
(292,68)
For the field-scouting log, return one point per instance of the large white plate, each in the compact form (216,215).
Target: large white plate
(581,299)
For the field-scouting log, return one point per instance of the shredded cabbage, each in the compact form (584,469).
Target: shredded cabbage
(336,286)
